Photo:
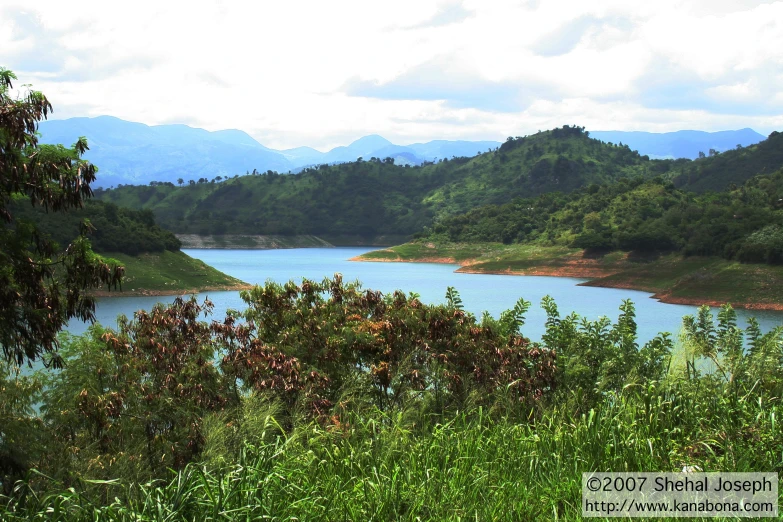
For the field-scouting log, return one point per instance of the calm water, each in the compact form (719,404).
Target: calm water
(493,293)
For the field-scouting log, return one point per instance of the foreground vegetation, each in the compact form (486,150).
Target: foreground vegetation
(42,284)
(331,402)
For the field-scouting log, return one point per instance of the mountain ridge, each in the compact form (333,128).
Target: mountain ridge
(355,202)
(135,153)
(682,143)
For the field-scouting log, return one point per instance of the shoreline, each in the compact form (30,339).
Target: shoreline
(594,276)
(182,291)
(437,260)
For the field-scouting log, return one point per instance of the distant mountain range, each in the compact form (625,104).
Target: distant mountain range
(134,153)
(680,144)
(378,202)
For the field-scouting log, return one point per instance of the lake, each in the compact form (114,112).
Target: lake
(479,292)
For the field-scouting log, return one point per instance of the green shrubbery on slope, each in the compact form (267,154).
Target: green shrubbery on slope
(116,229)
(335,403)
(373,197)
(745,223)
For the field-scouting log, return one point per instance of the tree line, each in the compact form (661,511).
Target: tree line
(743,223)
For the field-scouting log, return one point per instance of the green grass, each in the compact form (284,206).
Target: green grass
(472,466)
(169,272)
(659,274)
(705,278)
(380,255)
(468,252)
(729,281)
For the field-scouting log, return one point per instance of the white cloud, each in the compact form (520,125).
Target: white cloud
(428,69)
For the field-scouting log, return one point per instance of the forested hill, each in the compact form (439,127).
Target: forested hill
(745,223)
(733,167)
(377,197)
(150,254)
(116,229)
(360,201)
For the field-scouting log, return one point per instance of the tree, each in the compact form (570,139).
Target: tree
(180,181)
(41,286)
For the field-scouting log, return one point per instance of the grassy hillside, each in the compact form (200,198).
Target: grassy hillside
(115,229)
(168,272)
(712,247)
(151,255)
(369,198)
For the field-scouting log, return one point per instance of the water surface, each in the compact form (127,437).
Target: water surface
(479,292)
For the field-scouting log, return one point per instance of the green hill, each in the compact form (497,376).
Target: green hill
(151,255)
(357,201)
(376,201)
(633,215)
(714,248)
(732,167)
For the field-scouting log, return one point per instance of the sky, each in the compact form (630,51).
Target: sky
(324,73)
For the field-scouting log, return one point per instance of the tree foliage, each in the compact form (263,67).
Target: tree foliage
(317,373)
(743,223)
(354,201)
(41,288)
(116,229)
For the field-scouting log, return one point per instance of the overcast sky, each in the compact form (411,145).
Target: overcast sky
(323,73)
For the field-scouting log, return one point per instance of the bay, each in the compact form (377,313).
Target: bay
(479,292)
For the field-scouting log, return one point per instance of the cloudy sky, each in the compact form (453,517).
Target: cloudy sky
(323,73)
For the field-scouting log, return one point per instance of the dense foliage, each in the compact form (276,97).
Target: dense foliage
(730,168)
(41,286)
(366,199)
(332,402)
(744,223)
(115,229)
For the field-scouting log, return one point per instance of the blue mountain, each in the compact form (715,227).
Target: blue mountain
(680,144)
(133,153)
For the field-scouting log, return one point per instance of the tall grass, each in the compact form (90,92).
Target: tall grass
(470,465)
